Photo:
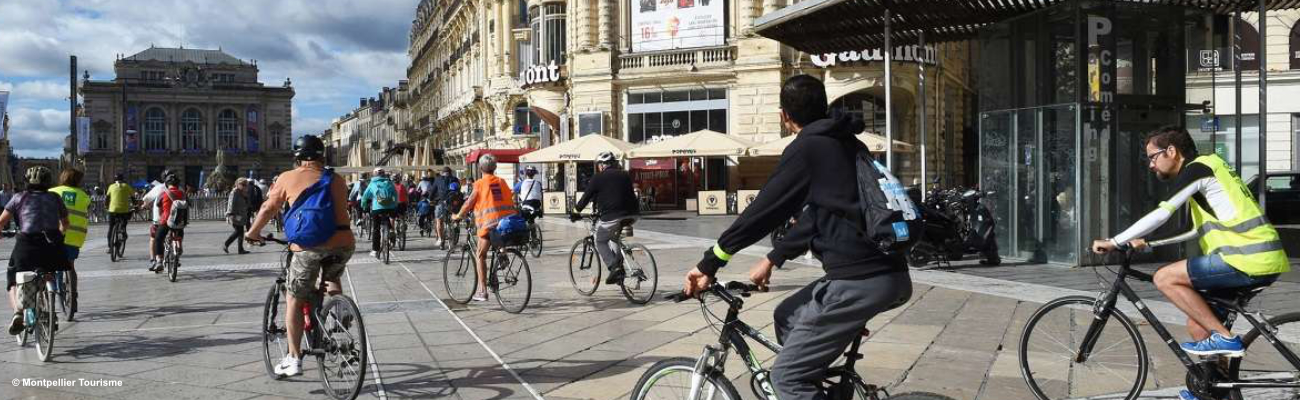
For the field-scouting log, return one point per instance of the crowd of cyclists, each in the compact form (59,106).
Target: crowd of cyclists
(836,222)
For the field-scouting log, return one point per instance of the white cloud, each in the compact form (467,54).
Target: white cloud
(37,132)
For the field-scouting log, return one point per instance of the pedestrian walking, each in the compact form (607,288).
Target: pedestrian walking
(237,214)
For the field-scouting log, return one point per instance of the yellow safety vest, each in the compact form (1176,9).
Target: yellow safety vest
(78,204)
(1248,242)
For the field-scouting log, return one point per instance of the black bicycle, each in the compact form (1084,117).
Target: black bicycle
(1070,349)
(509,277)
(400,228)
(333,332)
(171,255)
(642,274)
(534,246)
(450,230)
(117,239)
(705,378)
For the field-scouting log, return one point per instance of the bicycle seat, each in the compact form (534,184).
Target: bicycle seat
(1238,295)
(626,223)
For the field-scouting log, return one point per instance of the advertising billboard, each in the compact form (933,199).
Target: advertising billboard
(83,135)
(4,103)
(677,24)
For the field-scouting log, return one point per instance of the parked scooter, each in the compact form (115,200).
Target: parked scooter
(957,223)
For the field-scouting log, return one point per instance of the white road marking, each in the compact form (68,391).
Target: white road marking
(370,350)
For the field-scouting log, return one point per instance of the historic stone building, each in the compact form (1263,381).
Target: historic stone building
(176,108)
(530,73)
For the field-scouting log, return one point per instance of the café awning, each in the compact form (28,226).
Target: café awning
(701,143)
(503,155)
(874,142)
(820,26)
(584,148)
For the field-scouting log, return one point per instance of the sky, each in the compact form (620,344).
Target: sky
(335,51)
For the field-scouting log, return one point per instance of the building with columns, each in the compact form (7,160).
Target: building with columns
(176,108)
(530,73)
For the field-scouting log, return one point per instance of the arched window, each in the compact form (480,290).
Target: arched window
(527,122)
(1249,46)
(1294,54)
(228,130)
(100,132)
(278,141)
(191,130)
(155,129)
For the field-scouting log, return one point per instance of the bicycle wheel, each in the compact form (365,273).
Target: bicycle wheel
(401,237)
(67,292)
(386,244)
(671,379)
(45,324)
(458,274)
(642,274)
(1265,363)
(584,267)
(275,343)
(535,240)
(511,281)
(1052,338)
(173,263)
(343,369)
(453,238)
(112,242)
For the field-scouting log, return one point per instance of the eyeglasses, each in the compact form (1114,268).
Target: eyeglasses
(1150,158)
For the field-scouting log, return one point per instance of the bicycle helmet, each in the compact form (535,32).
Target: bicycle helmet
(380,172)
(172,180)
(606,157)
(308,148)
(40,176)
(119,178)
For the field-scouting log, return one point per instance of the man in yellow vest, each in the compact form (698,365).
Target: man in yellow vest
(78,204)
(1241,248)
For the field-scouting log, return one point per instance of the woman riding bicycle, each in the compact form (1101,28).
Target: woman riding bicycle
(491,202)
(42,218)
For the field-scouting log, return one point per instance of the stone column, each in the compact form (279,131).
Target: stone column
(584,24)
(606,24)
(747,10)
(770,6)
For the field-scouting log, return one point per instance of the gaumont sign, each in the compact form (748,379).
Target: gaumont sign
(539,74)
(912,53)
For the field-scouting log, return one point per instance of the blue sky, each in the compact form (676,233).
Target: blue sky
(336,51)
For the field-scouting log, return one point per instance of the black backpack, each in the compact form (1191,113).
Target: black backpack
(890,219)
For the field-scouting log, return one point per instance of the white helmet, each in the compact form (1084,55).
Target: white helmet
(379,171)
(606,157)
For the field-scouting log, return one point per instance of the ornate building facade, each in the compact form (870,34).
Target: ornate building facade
(176,108)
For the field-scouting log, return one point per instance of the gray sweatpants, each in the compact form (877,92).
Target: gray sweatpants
(817,323)
(604,236)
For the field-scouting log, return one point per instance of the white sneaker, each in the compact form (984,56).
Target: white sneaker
(480,296)
(289,366)
(374,254)
(439,243)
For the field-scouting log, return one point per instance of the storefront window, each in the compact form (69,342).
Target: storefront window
(675,112)
(636,128)
(527,122)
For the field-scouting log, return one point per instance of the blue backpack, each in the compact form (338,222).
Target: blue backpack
(310,221)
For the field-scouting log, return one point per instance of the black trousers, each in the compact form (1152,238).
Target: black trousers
(237,236)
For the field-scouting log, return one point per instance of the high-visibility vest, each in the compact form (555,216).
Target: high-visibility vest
(1248,242)
(78,204)
(495,202)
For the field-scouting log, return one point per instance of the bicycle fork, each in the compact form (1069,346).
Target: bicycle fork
(710,360)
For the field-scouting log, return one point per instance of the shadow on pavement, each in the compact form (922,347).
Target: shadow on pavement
(131,313)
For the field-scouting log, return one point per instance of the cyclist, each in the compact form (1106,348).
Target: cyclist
(399,183)
(119,204)
(446,195)
(380,198)
(78,204)
(425,187)
(150,200)
(170,194)
(611,189)
(816,323)
(326,260)
(354,195)
(1240,246)
(530,193)
(491,201)
(42,218)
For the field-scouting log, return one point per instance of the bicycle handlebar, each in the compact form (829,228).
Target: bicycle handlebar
(723,291)
(269,238)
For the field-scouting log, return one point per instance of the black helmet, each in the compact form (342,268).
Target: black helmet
(172,180)
(119,178)
(308,148)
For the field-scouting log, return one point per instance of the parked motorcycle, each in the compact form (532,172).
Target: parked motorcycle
(957,223)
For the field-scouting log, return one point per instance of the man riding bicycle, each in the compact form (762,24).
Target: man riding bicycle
(327,259)
(1240,246)
(818,322)
(530,194)
(381,199)
(611,189)
(119,205)
(42,219)
(491,201)
(78,204)
(170,194)
(446,193)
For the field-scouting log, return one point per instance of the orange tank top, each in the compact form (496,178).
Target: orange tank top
(494,201)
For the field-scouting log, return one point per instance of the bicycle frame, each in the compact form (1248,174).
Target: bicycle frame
(1120,286)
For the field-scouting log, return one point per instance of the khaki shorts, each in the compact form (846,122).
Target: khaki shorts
(308,264)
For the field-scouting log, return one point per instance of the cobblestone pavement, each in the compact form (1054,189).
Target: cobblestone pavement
(198,337)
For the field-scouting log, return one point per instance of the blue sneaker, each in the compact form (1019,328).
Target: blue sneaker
(1186,395)
(1216,345)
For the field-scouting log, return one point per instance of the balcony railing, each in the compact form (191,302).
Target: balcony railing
(700,58)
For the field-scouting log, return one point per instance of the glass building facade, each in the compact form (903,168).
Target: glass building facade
(1066,97)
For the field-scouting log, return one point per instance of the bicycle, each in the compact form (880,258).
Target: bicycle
(171,255)
(451,230)
(386,239)
(642,273)
(704,377)
(1083,320)
(401,231)
(534,244)
(41,319)
(117,240)
(339,345)
(507,271)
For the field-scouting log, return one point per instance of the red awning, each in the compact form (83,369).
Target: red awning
(502,155)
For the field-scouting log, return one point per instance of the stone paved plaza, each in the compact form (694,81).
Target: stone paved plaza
(198,337)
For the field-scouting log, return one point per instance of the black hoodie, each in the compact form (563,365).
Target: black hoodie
(816,169)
